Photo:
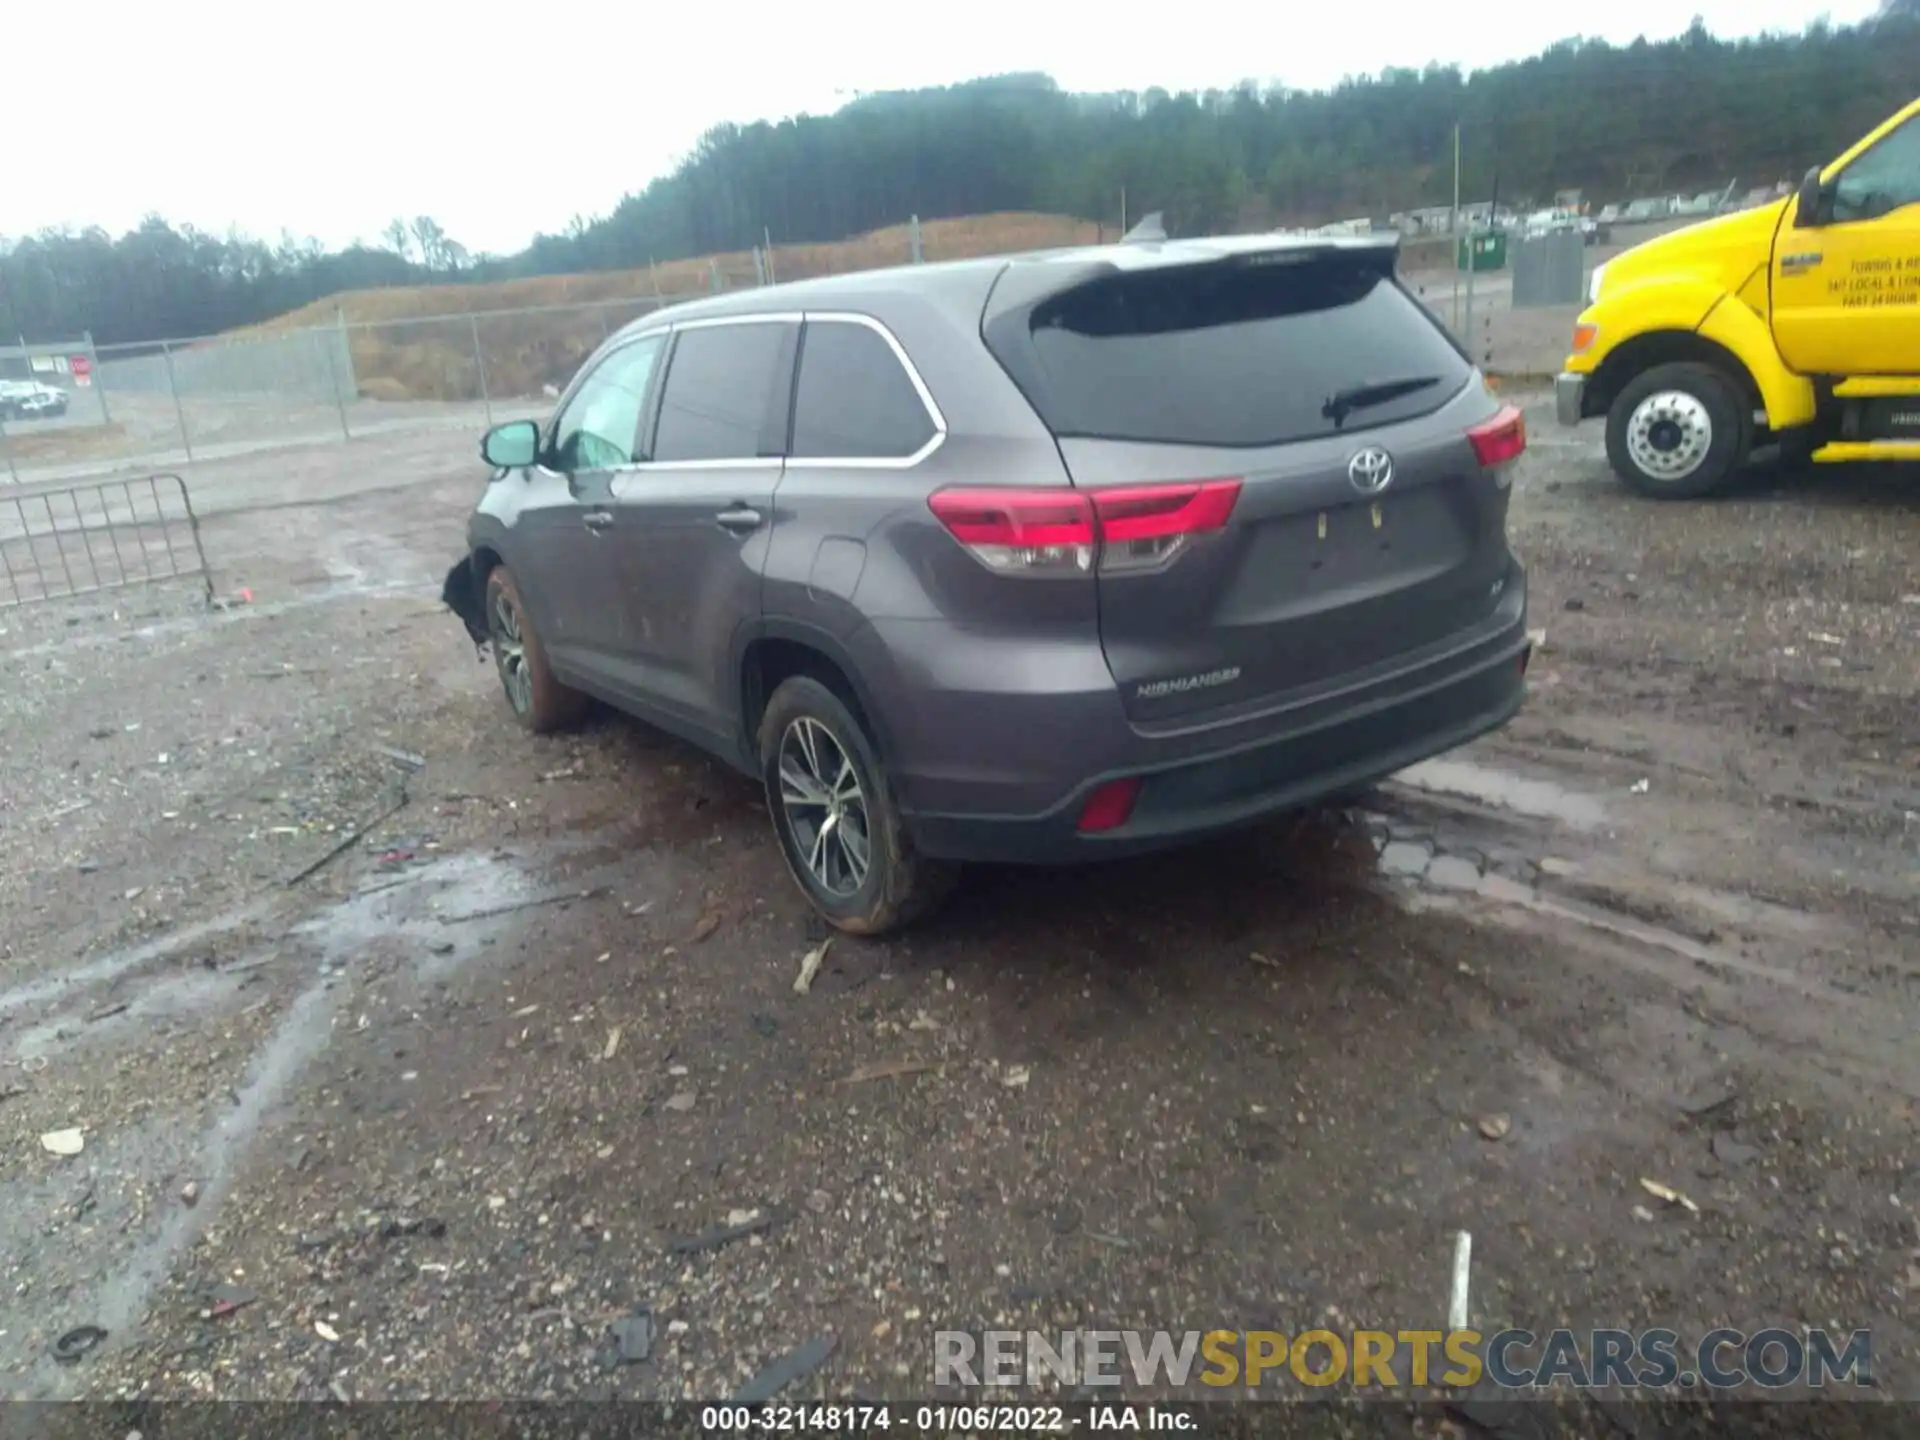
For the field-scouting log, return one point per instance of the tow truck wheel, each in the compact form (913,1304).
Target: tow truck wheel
(1678,432)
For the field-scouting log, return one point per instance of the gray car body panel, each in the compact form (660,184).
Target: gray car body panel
(998,702)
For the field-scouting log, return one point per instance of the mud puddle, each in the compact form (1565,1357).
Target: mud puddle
(1499,849)
(92,1237)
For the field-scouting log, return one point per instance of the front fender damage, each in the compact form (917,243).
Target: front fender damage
(461,593)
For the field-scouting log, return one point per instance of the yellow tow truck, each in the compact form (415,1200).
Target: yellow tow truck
(1797,324)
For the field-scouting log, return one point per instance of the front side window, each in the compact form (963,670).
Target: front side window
(600,427)
(720,386)
(854,400)
(1885,179)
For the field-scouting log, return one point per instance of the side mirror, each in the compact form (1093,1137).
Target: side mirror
(1806,210)
(511,446)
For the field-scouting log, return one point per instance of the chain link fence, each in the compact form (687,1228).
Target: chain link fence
(277,385)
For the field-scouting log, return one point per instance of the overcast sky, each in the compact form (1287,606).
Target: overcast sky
(503,120)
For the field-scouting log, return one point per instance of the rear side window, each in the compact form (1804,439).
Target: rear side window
(1238,355)
(720,384)
(854,400)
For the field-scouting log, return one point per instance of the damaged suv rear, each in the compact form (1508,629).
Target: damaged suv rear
(1046,558)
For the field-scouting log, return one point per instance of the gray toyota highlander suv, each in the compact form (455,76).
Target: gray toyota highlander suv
(1039,558)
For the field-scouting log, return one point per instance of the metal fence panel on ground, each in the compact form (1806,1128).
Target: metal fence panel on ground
(66,540)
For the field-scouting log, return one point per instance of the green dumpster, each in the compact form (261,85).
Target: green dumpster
(1480,253)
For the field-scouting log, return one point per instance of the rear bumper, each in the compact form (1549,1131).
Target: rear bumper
(1569,394)
(1392,723)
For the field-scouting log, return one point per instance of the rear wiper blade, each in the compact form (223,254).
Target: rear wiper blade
(1343,403)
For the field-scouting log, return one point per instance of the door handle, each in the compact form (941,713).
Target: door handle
(597,520)
(739,519)
(1806,260)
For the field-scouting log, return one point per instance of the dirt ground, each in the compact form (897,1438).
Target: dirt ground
(410,1055)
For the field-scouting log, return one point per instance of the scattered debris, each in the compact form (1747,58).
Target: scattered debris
(1640,787)
(395,1229)
(1668,1194)
(1495,1127)
(1640,1212)
(498,910)
(227,1299)
(1729,1151)
(63,1142)
(402,757)
(1705,1102)
(190,1193)
(1016,1077)
(810,966)
(682,1102)
(885,1070)
(631,1337)
(613,1044)
(721,1235)
(1257,958)
(353,837)
(1457,1294)
(78,1342)
(705,926)
(819,1201)
(798,1362)
(107,1012)
(326,1332)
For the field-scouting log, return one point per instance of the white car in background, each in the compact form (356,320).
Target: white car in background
(31,400)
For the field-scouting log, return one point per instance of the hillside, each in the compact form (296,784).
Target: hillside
(401,351)
(1651,117)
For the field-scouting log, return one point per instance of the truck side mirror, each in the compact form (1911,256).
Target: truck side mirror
(1806,210)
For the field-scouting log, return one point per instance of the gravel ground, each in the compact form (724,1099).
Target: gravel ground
(412,1057)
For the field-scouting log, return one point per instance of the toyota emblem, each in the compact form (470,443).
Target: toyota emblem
(1371,471)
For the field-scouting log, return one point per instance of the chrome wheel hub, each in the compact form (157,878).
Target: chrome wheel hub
(1669,434)
(824,806)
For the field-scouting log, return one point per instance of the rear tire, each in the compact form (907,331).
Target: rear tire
(835,816)
(539,702)
(1679,431)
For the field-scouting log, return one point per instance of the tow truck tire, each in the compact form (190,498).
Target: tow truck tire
(1678,431)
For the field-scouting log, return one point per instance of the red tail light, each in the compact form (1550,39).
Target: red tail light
(1109,806)
(1054,530)
(1021,529)
(1500,440)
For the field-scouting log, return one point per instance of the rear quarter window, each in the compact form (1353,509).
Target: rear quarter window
(1235,355)
(853,399)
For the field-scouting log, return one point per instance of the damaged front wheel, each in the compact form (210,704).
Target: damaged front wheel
(540,702)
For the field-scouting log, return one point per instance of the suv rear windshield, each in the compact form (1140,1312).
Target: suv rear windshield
(1239,355)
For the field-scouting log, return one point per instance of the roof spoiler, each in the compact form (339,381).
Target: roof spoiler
(1022,286)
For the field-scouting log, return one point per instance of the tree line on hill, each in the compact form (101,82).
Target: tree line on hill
(1616,121)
